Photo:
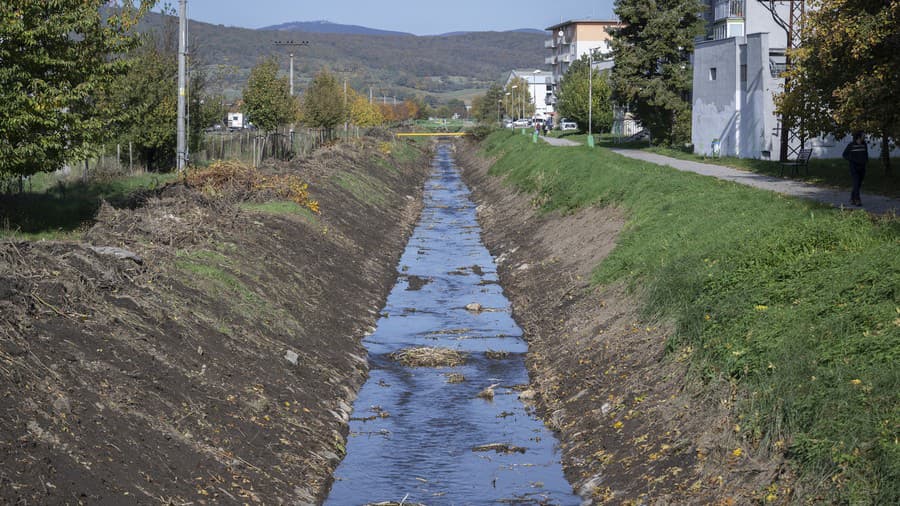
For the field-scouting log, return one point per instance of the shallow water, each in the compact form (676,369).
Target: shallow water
(412,433)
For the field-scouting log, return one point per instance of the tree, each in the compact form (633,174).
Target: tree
(323,105)
(362,112)
(652,70)
(844,76)
(267,98)
(485,107)
(574,96)
(55,59)
(517,104)
(148,96)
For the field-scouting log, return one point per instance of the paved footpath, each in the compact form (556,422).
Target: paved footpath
(835,197)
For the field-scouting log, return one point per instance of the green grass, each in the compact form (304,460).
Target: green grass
(795,303)
(210,266)
(831,172)
(54,209)
(281,207)
(364,188)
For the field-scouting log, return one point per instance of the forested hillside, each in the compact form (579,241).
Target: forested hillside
(391,64)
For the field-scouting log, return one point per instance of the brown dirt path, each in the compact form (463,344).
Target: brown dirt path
(221,367)
(633,429)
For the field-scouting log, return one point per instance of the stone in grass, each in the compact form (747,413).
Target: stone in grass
(292,357)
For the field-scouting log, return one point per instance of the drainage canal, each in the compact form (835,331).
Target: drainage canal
(447,435)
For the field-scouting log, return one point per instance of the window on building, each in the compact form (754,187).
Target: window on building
(712,73)
(744,73)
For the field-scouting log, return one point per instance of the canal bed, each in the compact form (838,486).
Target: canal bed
(419,435)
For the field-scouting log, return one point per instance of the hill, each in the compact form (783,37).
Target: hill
(389,64)
(329,27)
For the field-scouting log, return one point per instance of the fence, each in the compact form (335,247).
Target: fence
(249,146)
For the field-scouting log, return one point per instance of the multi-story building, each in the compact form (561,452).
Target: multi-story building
(538,88)
(737,74)
(569,41)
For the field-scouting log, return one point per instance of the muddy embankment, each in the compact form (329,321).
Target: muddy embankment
(633,428)
(217,360)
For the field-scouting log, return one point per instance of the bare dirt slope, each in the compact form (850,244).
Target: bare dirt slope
(216,365)
(633,429)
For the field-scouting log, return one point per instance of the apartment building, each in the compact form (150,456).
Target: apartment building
(569,41)
(538,88)
(737,74)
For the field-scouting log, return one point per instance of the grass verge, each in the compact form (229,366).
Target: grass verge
(822,171)
(58,210)
(281,207)
(795,304)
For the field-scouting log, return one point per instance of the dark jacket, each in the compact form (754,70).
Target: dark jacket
(857,154)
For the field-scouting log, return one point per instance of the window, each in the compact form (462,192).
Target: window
(744,73)
(712,73)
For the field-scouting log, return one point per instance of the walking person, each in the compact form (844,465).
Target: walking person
(857,153)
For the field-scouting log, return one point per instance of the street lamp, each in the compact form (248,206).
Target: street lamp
(508,100)
(534,88)
(514,103)
(499,101)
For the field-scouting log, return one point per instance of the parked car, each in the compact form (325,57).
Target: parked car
(568,125)
(522,123)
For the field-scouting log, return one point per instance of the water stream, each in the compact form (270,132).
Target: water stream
(414,432)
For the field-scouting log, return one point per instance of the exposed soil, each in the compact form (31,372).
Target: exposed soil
(215,361)
(633,428)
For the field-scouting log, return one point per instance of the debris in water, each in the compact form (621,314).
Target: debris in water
(474,307)
(455,377)
(496,355)
(429,357)
(488,393)
(499,448)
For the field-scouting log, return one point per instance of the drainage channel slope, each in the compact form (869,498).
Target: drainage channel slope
(448,435)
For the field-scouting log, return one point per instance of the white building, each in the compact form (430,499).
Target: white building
(572,39)
(737,73)
(538,87)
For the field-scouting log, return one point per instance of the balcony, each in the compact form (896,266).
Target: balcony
(567,58)
(550,61)
(550,44)
(725,9)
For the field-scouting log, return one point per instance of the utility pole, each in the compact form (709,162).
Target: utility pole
(591,98)
(291,45)
(181,154)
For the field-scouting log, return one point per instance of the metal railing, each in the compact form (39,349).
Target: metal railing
(725,9)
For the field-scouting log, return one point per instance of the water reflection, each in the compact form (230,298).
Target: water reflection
(414,432)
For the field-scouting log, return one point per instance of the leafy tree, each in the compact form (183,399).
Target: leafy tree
(323,105)
(362,112)
(574,96)
(845,75)
(485,107)
(55,59)
(652,69)
(267,97)
(147,95)
(516,103)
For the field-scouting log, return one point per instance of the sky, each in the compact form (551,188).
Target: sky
(421,17)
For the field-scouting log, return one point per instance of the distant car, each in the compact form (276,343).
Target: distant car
(522,123)
(568,125)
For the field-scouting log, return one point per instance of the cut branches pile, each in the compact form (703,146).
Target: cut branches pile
(236,178)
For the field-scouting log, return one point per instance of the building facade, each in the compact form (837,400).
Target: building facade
(737,72)
(538,87)
(569,41)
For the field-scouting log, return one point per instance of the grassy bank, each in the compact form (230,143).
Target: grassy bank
(51,208)
(824,171)
(793,303)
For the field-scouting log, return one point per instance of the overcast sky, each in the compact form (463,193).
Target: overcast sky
(421,17)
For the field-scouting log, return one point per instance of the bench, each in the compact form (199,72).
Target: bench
(802,161)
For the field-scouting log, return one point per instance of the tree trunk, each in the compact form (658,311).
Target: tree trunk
(886,154)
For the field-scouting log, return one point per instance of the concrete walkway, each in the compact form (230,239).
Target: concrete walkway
(835,197)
